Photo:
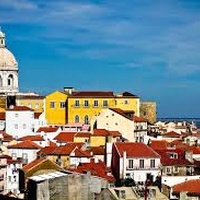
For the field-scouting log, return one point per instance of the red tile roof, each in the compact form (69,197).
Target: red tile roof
(25,145)
(96,169)
(172,134)
(100,132)
(80,153)
(65,137)
(190,186)
(6,137)
(158,144)
(32,138)
(19,108)
(29,97)
(104,132)
(121,112)
(135,150)
(2,116)
(92,94)
(47,129)
(139,119)
(167,160)
(83,134)
(60,150)
(97,150)
(33,164)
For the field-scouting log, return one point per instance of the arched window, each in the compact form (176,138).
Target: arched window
(10,80)
(77,119)
(86,119)
(1,81)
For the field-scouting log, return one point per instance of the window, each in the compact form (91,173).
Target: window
(86,119)
(16,126)
(130,164)
(10,80)
(105,103)
(77,119)
(96,103)
(176,169)
(168,170)
(25,158)
(141,163)
(125,101)
(62,104)
(14,156)
(77,104)
(86,103)
(152,163)
(24,126)
(9,178)
(52,104)
(16,114)
(37,105)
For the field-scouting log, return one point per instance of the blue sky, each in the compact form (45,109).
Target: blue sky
(147,47)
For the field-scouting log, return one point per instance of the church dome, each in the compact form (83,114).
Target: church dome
(7,60)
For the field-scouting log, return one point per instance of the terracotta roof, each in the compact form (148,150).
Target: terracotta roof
(80,153)
(33,164)
(158,144)
(104,132)
(100,132)
(6,137)
(172,134)
(65,137)
(96,169)
(37,115)
(190,186)
(97,150)
(25,145)
(139,119)
(121,112)
(32,138)
(132,149)
(19,108)
(83,134)
(47,129)
(168,160)
(60,150)
(92,94)
(2,115)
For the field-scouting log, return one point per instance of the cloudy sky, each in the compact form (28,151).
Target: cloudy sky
(148,47)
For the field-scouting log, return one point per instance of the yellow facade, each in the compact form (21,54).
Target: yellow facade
(128,104)
(83,113)
(62,160)
(86,113)
(96,141)
(81,139)
(55,108)
(34,102)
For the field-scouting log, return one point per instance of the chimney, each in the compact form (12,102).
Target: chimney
(68,90)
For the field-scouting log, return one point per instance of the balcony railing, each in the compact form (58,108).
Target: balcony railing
(143,168)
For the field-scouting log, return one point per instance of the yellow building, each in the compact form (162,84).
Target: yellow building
(55,108)
(32,101)
(84,105)
(128,102)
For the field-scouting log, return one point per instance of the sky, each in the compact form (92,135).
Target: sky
(150,48)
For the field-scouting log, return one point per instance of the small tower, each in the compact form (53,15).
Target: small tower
(2,39)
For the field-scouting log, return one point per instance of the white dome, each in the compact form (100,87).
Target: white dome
(7,60)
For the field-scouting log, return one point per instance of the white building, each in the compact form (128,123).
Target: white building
(25,151)
(135,160)
(8,69)
(19,121)
(115,120)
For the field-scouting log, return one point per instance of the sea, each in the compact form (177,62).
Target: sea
(195,120)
